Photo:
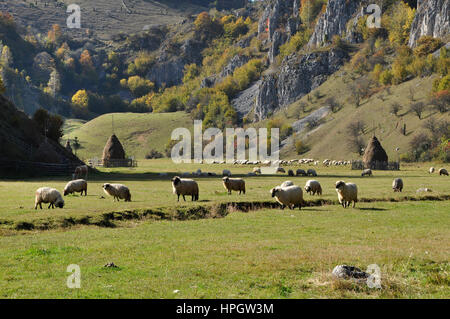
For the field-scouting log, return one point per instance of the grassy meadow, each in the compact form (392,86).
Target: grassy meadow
(263,253)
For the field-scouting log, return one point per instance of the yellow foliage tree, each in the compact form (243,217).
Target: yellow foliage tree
(81,99)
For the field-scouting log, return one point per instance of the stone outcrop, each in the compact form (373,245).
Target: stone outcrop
(334,21)
(432,19)
(297,77)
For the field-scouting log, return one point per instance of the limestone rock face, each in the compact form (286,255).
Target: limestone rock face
(432,19)
(298,75)
(334,21)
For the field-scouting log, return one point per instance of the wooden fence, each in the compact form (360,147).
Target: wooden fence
(95,162)
(384,166)
(20,168)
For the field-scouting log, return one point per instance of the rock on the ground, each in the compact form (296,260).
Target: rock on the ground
(348,272)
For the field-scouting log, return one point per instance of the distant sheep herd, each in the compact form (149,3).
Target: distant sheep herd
(287,194)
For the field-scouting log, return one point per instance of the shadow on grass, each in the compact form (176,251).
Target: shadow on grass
(372,209)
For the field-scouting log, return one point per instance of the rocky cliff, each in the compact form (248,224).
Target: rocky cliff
(432,19)
(334,21)
(297,76)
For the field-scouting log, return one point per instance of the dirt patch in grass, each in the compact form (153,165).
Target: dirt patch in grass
(219,210)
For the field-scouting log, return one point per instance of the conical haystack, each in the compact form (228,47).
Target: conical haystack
(375,154)
(113,150)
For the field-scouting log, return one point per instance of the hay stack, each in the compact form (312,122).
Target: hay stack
(113,150)
(46,154)
(375,155)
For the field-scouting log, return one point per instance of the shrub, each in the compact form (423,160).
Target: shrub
(395,108)
(427,45)
(418,108)
(301,147)
(153,154)
(441,100)
(139,86)
(386,77)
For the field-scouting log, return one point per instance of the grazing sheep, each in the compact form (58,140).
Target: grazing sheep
(281,170)
(424,189)
(117,191)
(183,186)
(81,171)
(431,171)
(313,187)
(290,172)
(367,172)
(443,171)
(76,186)
(311,172)
(257,170)
(290,196)
(226,172)
(287,184)
(234,184)
(397,185)
(347,193)
(48,195)
(301,172)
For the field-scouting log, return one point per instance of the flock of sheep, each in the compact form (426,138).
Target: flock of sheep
(287,194)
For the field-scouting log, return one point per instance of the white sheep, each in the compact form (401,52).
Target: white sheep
(287,184)
(226,172)
(347,193)
(117,191)
(366,172)
(76,186)
(311,172)
(313,187)
(431,170)
(48,195)
(443,171)
(424,190)
(397,185)
(184,186)
(234,184)
(290,196)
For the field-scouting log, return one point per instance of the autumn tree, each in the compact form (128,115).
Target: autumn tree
(418,108)
(81,99)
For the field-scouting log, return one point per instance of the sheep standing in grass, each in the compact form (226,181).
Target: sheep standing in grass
(81,171)
(234,184)
(257,170)
(290,196)
(184,186)
(290,172)
(117,191)
(397,185)
(431,170)
(347,193)
(281,170)
(287,184)
(443,171)
(48,195)
(311,172)
(313,187)
(226,172)
(301,172)
(367,172)
(76,186)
